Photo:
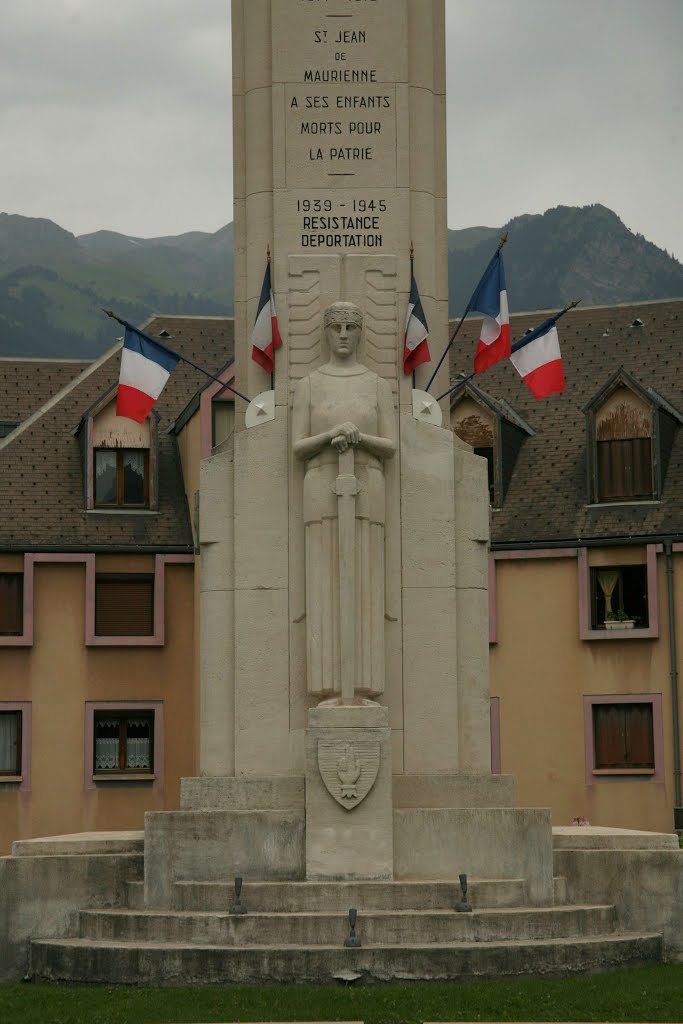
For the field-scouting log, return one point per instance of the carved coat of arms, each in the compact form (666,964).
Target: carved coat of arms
(348,770)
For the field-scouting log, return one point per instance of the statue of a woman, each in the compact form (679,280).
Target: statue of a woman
(339,409)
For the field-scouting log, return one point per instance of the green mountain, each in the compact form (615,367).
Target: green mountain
(566,253)
(53,284)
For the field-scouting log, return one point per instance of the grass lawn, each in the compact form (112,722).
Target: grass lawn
(646,994)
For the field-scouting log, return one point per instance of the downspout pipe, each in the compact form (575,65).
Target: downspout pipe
(673,661)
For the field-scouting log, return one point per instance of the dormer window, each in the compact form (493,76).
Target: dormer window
(630,432)
(623,434)
(495,431)
(121,477)
(120,459)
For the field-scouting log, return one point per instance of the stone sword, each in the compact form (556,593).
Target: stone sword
(346,488)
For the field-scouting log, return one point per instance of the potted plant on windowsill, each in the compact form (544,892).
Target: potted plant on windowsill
(619,620)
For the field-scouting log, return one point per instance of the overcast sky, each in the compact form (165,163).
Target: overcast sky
(116,113)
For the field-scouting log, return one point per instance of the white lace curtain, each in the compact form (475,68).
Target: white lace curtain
(138,748)
(107,747)
(8,742)
(608,579)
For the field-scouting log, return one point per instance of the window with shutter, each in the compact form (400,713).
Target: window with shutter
(124,605)
(11,603)
(10,743)
(625,469)
(623,737)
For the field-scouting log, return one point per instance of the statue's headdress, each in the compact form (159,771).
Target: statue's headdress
(342,313)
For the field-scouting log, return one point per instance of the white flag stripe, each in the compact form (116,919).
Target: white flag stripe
(490,328)
(141,373)
(415,334)
(537,353)
(411,307)
(262,335)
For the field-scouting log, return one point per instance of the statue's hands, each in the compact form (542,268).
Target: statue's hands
(345,435)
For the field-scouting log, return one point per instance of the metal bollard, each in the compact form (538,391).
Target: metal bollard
(462,906)
(353,942)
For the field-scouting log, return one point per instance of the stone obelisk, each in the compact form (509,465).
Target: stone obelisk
(339,169)
(344,541)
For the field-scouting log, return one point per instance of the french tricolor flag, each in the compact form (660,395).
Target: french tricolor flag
(416,347)
(537,359)
(265,337)
(145,368)
(490,298)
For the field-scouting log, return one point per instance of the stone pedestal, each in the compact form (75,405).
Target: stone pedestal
(349,820)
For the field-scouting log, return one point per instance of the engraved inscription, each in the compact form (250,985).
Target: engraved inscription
(341,121)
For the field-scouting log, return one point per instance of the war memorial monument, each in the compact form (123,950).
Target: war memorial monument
(345,737)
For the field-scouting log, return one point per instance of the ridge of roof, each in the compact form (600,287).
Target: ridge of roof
(666,406)
(180,316)
(584,309)
(40,359)
(514,417)
(59,395)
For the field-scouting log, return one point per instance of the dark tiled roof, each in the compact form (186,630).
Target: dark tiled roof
(26,383)
(41,485)
(546,499)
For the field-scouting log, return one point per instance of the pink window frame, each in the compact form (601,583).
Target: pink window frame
(586,630)
(156,778)
(157,639)
(495,735)
(655,699)
(22,783)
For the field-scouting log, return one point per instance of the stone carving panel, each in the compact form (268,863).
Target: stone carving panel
(372,282)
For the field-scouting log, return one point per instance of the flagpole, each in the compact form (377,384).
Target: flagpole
(457,385)
(503,240)
(464,380)
(412,263)
(165,348)
(516,345)
(272,372)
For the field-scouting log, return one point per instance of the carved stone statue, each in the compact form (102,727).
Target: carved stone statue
(343,428)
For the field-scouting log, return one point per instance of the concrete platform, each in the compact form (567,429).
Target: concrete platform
(311,897)
(108,963)
(376,928)
(599,837)
(80,844)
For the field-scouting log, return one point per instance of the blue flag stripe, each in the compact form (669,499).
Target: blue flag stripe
(537,332)
(135,341)
(486,296)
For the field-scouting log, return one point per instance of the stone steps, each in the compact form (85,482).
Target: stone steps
(296,897)
(375,928)
(159,963)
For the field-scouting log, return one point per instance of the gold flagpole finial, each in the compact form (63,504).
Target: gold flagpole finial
(268,253)
(412,251)
(575,303)
(503,240)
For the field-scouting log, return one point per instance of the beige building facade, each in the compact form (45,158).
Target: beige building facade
(586,567)
(98,610)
